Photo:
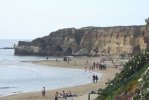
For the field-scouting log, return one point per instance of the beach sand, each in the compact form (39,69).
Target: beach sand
(81,91)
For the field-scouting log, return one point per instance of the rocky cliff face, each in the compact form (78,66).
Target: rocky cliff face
(88,40)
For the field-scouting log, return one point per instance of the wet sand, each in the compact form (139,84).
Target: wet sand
(81,91)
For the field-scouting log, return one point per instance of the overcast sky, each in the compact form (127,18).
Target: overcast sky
(29,19)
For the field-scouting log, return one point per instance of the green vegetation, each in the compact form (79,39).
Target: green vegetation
(127,80)
(142,92)
(147,21)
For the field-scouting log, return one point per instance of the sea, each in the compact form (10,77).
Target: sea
(19,75)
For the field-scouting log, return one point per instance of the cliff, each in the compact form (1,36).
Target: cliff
(88,40)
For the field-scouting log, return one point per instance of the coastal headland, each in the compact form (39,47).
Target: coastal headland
(91,41)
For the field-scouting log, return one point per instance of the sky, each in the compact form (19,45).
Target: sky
(30,19)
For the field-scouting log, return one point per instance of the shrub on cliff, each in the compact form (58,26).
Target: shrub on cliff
(127,81)
(147,21)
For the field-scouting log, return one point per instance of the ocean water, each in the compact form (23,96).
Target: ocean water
(17,75)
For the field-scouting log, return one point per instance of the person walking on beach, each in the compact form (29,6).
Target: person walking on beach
(93,78)
(96,78)
(44,92)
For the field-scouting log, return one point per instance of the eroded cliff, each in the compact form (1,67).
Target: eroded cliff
(88,40)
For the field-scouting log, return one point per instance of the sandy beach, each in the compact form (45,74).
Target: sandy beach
(81,91)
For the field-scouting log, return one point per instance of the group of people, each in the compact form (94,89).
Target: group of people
(63,95)
(95,78)
(58,95)
(67,59)
(94,65)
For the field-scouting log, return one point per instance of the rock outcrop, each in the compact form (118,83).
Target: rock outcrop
(83,41)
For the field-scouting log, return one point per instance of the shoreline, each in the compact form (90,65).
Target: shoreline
(81,90)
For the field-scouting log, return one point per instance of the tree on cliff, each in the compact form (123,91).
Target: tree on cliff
(147,21)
